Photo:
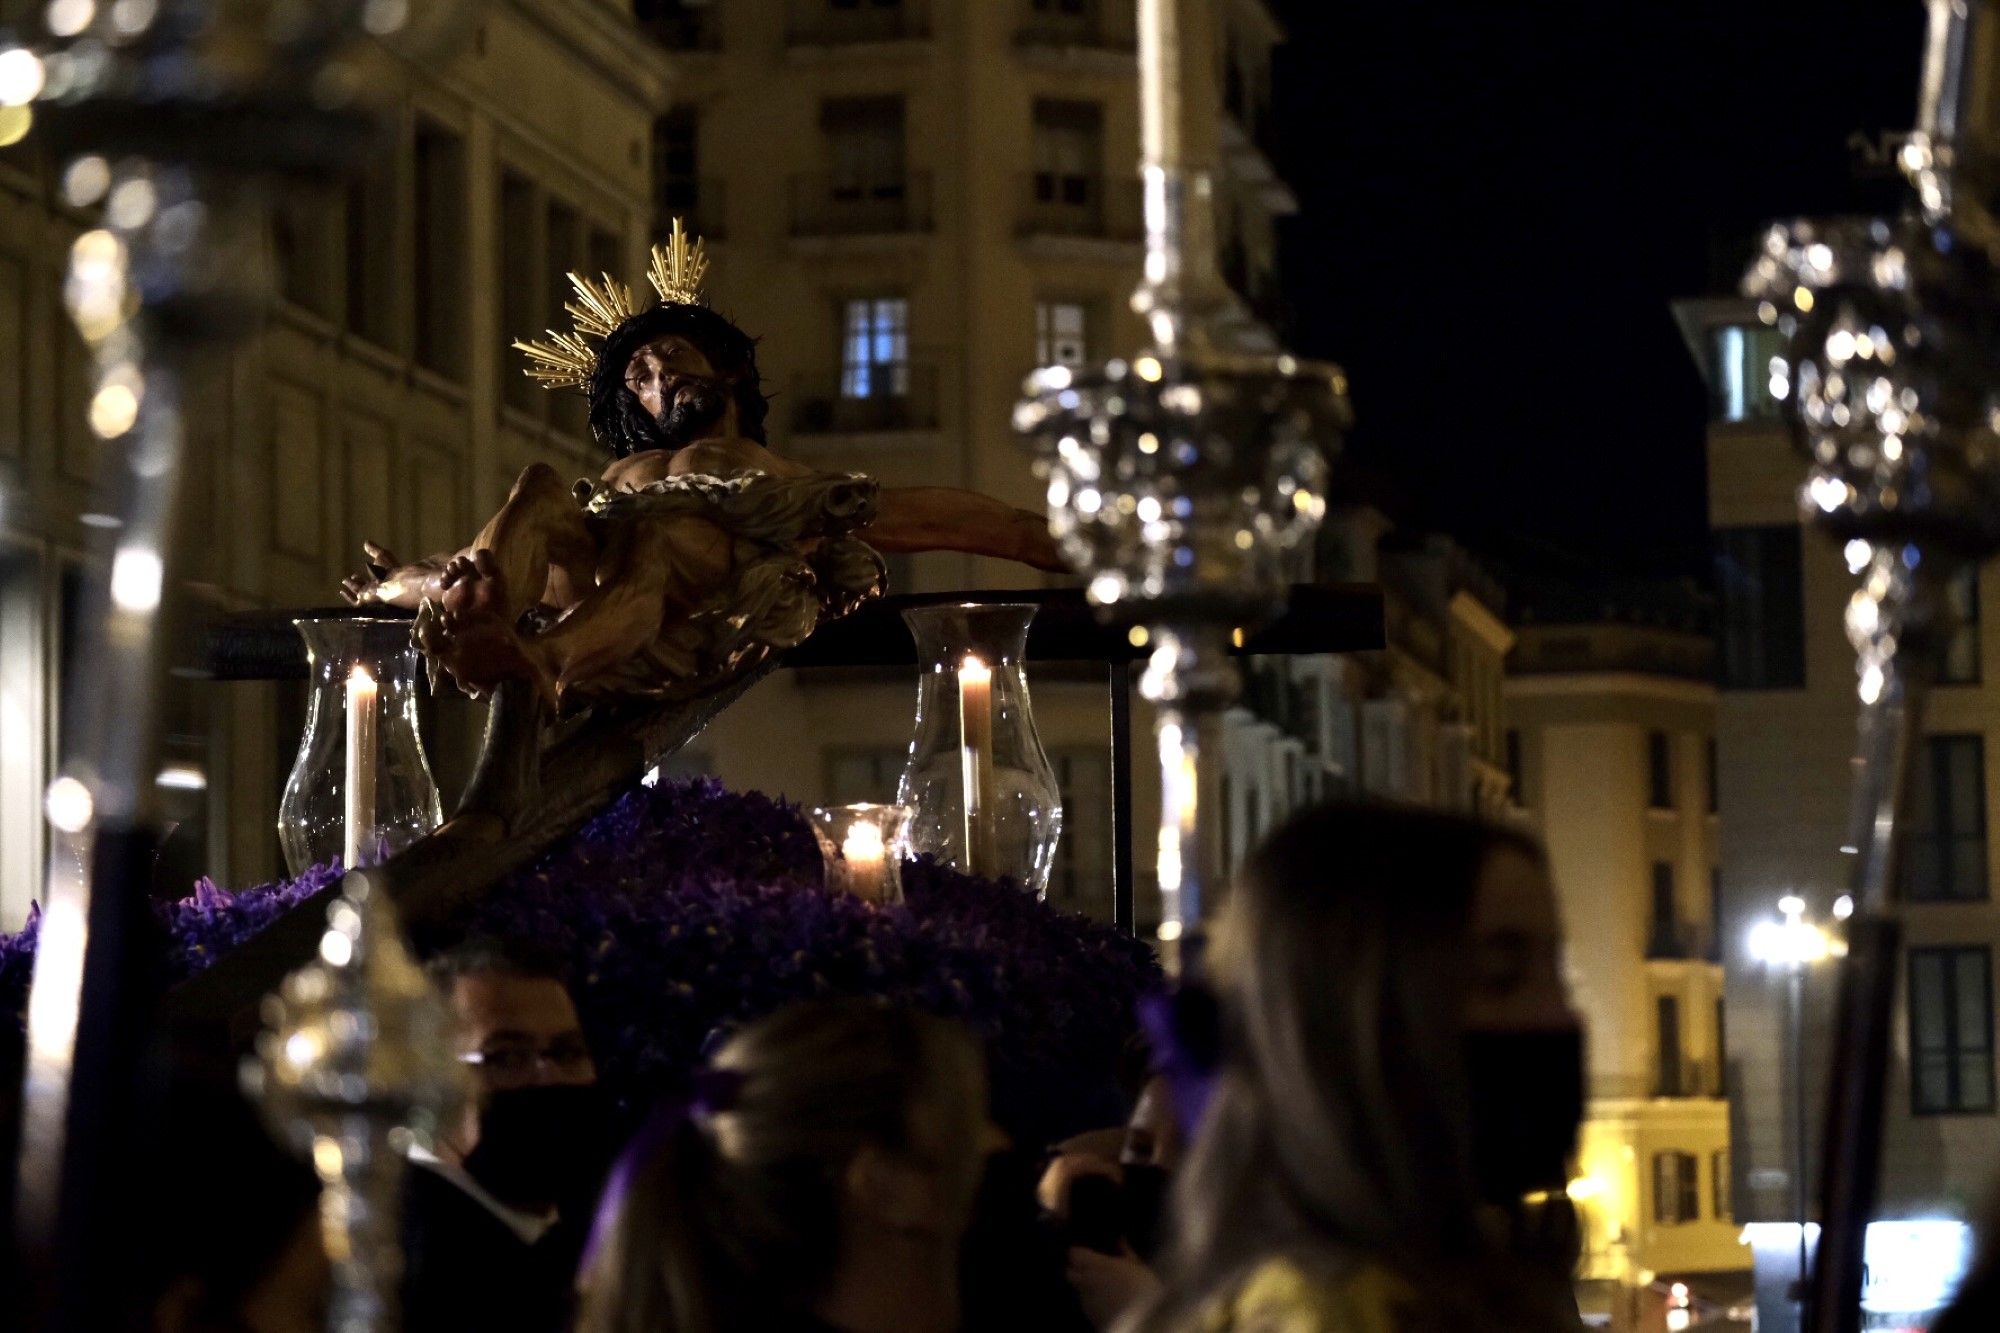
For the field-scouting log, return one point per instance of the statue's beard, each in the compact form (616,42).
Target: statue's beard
(695,413)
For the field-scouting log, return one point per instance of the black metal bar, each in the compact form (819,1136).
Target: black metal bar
(1123,913)
(1344,618)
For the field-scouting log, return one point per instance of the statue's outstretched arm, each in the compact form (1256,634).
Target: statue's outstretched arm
(939,518)
(387,581)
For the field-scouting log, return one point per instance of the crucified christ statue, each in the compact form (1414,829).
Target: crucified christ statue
(698,551)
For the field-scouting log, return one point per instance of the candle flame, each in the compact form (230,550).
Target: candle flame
(974,671)
(863,842)
(360,679)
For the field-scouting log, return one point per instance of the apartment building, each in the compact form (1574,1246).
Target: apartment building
(380,401)
(1611,713)
(1785,732)
(914,204)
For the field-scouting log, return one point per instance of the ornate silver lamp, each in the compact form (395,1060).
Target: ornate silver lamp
(1892,330)
(1185,482)
(173,115)
(355,1066)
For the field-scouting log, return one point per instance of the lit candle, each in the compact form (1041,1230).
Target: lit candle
(975,729)
(867,861)
(360,786)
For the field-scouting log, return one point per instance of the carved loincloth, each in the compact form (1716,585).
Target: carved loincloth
(795,563)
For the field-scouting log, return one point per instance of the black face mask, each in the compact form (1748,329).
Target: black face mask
(1526,1090)
(1145,1206)
(543,1145)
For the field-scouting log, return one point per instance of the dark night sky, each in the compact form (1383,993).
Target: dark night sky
(1498,203)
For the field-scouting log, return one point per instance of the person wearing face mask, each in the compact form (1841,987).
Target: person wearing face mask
(494,1219)
(1399,1089)
(821,1181)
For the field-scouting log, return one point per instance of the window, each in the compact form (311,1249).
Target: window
(1676,1188)
(1666,919)
(1960,665)
(875,348)
(1659,770)
(563,251)
(1721,1203)
(520,279)
(1760,584)
(1516,775)
(1667,1019)
(863,775)
(1069,155)
(1081,878)
(1062,333)
(1715,913)
(1744,373)
(371,252)
(864,139)
(1714,777)
(302,239)
(1951,1030)
(676,175)
(1721,1049)
(441,297)
(1944,858)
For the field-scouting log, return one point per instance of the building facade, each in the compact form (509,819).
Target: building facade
(913,205)
(379,402)
(1785,725)
(1611,738)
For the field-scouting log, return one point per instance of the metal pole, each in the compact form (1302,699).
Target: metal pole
(1123,912)
(1795,1021)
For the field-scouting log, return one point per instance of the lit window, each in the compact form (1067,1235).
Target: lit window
(875,348)
(1744,373)
(1061,334)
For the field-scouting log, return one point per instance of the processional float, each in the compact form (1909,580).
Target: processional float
(1891,332)
(1185,484)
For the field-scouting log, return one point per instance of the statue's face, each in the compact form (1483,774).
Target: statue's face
(674,381)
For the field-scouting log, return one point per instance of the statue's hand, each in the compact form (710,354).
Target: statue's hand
(387,581)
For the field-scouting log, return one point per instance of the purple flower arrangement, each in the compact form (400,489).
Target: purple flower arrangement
(685,910)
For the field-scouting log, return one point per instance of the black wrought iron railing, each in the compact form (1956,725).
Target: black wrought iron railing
(878,397)
(680,27)
(1675,941)
(823,204)
(853,22)
(1062,204)
(1085,24)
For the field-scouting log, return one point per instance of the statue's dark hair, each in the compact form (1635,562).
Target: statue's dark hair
(617,420)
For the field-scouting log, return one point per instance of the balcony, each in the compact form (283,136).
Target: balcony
(855,22)
(883,399)
(1077,25)
(1258,287)
(1251,112)
(1677,942)
(1689,1078)
(1083,207)
(824,205)
(680,27)
(697,203)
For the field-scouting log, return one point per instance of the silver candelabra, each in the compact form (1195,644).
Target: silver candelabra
(1185,482)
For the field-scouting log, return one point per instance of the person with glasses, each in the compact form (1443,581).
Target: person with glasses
(495,1218)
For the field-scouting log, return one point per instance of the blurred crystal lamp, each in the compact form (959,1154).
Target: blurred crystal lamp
(864,847)
(982,792)
(361,788)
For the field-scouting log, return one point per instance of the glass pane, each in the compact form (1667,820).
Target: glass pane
(1933,1083)
(1928,1029)
(1968,868)
(1975,1083)
(1971,1001)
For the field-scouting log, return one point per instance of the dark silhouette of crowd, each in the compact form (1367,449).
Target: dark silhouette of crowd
(1355,1112)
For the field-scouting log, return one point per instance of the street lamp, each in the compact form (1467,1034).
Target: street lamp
(1792,945)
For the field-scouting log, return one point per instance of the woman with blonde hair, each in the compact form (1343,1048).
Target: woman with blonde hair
(821,1178)
(1399,1090)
